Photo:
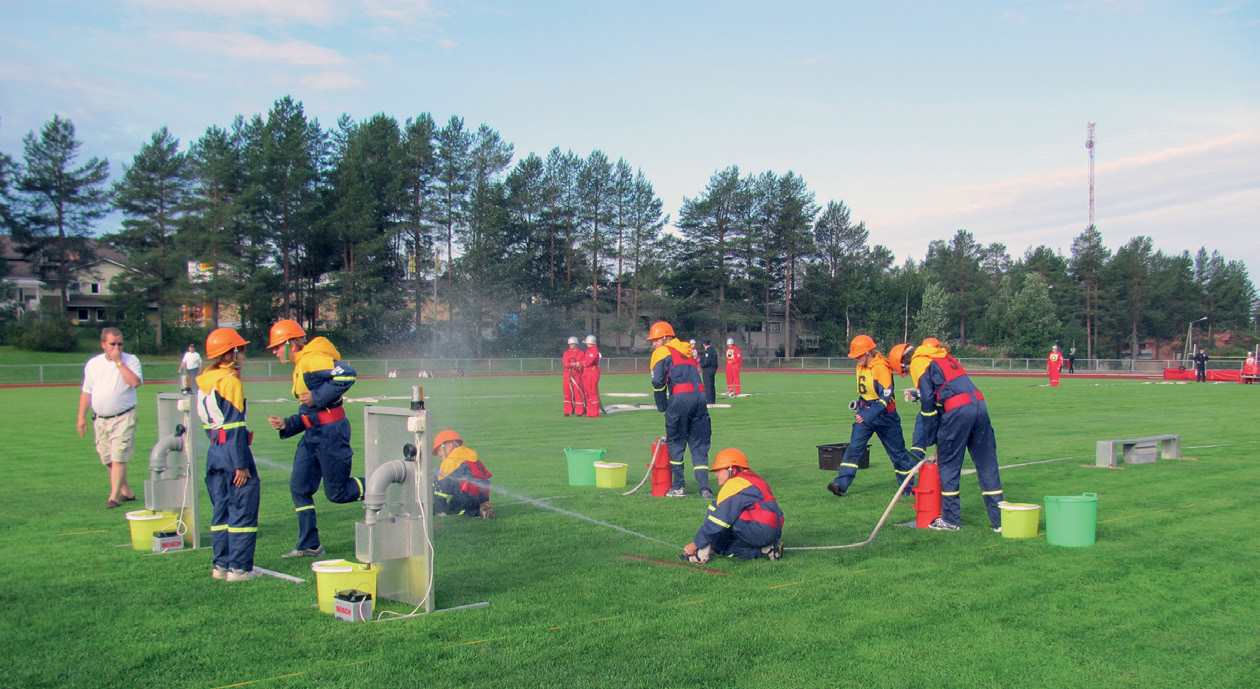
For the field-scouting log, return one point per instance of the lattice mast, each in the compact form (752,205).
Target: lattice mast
(1089,144)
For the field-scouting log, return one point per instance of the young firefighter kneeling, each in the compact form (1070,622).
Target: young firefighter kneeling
(744,520)
(462,483)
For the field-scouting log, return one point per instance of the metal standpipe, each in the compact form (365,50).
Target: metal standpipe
(396,533)
(174,476)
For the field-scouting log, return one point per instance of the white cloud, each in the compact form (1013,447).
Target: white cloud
(408,11)
(246,46)
(304,11)
(332,81)
(448,44)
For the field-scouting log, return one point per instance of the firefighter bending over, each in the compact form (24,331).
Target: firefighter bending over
(462,482)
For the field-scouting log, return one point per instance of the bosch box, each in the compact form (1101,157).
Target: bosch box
(830,456)
(166,541)
(352,605)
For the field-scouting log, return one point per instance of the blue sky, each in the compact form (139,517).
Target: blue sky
(923,117)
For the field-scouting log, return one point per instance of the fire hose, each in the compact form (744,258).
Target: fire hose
(902,487)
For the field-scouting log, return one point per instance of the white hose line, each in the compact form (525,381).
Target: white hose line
(882,519)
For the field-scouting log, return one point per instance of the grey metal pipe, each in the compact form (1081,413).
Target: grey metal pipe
(387,474)
(157,457)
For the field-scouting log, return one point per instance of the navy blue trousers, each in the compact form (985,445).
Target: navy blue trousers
(687,424)
(888,427)
(745,540)
(323,454)
(234,521)
(967,429)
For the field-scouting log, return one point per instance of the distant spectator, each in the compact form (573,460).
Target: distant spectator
(1200,366)
(110,380)
(188,368)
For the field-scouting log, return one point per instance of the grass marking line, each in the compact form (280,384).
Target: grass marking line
(1131,516)
(256,681)
(674,564)
(474,643)
(80,533)
(691,602)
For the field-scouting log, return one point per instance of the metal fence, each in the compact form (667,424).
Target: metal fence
(19,374)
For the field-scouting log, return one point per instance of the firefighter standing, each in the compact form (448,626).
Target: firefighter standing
(1054,364)
(709,367)
(734,361)
(590,377)
(462,482)
(574,398)
(955,418)
(680,394)
(320,379)
(744,520)
(876,413)
(1250,369)
(231,476)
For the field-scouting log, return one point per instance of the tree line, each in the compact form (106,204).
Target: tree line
(438,240)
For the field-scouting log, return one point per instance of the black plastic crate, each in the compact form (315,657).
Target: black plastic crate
(830,456)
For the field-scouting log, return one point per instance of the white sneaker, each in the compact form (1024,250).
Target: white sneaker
(774,551)
(242,575)
(220,573)
(997,529)
(939,524)
(676,493)
(309,552)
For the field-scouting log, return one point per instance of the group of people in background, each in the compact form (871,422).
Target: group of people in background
(581,378)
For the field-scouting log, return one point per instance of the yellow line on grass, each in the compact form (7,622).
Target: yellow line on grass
(691,602)
(80,533)
(256,681)
(474,643)
(1131,516)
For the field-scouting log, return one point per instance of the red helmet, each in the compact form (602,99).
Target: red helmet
(283,331)
(730,457)
(860,345)
(223,340)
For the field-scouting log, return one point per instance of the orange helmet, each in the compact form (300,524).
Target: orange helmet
(660,329)
(931,342)
(283,331)
(445,436)
(730,457)
(223,340)
(895,355)
(860,345)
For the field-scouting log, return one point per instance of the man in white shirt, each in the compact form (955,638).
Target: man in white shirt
(109,388)
(188,367)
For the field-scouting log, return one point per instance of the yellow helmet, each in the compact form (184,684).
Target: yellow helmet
(730,457)
(860,345)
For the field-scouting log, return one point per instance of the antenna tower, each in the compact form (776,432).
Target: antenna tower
(1089,143)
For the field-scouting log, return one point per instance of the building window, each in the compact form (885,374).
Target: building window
(100,314)
(775,327)
(96,288)
(83,314)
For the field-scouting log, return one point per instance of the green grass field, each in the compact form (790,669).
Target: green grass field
(1166,598)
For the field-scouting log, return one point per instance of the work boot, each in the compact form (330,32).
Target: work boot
(486,512)
(678,492)
(774,551)
(939,524)
(309,552)
(835,490)
(242,575)
(220,573)
(706,493)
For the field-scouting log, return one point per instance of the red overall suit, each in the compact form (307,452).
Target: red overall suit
(574,397)
(1054,364)
(734,361)
(590,380)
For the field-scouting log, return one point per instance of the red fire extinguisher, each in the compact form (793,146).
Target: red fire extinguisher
(662,477)
(927,495)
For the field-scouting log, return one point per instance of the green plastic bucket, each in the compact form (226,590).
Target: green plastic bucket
(1071,519)
(582,465)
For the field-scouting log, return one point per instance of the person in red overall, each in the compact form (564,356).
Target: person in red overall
(734,361)
(1250,369)
(955,418)
(462,483)
(574,398)
(590,378)
(1054,364)
(743,521)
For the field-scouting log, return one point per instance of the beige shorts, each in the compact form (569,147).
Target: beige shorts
(116,438)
